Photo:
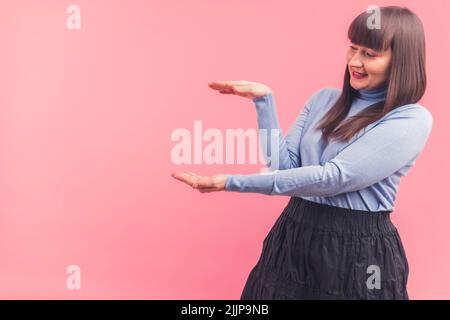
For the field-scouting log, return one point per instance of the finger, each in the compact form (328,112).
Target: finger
(187,174)
(243,91)
(186,178)
(227,84)
(220,86)
(204,182)
(243,88)
(194,175)
(228,89)
(187,181)
(195,180)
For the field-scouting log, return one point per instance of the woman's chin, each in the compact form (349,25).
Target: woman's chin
(358,85)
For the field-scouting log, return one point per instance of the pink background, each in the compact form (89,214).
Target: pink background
(86,118)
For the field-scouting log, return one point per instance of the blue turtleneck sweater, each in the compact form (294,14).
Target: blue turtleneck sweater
(361,174)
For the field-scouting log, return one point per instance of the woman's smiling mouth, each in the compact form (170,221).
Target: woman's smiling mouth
(359,75)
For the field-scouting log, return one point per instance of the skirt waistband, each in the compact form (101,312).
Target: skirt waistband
(323,217)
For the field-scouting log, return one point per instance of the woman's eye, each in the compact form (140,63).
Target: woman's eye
(352,47)
(370,55)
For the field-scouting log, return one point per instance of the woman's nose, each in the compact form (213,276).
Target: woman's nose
(355,61)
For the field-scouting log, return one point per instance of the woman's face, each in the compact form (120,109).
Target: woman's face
(369,69)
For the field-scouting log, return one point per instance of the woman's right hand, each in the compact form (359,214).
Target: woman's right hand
(241,88)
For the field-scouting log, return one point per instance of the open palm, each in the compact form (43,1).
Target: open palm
(202,183)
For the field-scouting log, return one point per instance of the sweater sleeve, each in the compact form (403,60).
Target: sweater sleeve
(374,156)
(280,152)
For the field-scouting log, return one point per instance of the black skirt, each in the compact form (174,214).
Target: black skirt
(317,251)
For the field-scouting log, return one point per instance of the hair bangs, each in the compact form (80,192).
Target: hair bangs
(376,39)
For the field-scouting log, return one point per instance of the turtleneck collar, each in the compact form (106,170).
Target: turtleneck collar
(374,94)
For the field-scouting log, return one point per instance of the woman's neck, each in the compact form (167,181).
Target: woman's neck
(373,94)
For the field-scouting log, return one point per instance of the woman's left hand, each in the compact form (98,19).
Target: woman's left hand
(202,183)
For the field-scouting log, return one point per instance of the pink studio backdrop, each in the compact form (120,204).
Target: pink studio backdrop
(86,118)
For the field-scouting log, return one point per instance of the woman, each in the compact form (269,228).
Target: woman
(341,164)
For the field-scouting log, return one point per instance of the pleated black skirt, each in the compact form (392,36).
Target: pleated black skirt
(317,251)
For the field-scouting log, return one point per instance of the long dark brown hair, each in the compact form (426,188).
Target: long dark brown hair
(402,31)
